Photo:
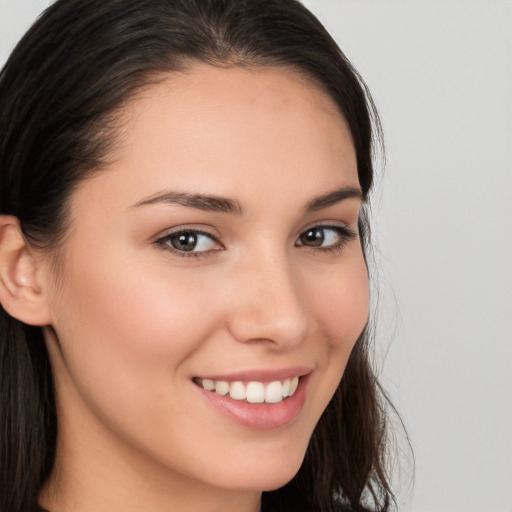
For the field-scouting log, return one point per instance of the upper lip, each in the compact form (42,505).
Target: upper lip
(261,375)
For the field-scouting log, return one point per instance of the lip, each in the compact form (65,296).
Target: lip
(262,416)
(264,376)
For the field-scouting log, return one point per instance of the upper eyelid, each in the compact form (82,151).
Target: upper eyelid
(186,229)
(345,229)
(328,224)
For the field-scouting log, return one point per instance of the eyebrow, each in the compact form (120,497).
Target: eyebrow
(213,203)
(334,197)
(204,202)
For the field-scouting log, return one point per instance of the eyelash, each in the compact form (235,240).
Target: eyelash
(164,243)
(344,233)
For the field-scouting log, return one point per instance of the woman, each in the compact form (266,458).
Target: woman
(183,281)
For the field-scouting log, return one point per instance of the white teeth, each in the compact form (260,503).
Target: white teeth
(237,391)
(286,388)
(208,384)
(274,392)
(254,392)
(293,385)
(221,387)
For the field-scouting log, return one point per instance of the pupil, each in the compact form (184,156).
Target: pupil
(314,237)
(184,241)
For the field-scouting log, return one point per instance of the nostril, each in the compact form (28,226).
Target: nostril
(268,305)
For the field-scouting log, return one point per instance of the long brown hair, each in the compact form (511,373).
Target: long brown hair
(60,91)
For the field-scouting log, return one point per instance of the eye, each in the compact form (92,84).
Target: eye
(325,237)
(189,241)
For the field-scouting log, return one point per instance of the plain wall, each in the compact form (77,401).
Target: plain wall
(441,75)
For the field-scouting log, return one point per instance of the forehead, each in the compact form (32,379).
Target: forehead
(222,130)
(199,84)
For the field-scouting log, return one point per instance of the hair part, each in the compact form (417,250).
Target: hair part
(61,95)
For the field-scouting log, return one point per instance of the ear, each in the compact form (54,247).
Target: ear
(21,292)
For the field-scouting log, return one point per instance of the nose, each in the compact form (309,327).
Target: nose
(269,304)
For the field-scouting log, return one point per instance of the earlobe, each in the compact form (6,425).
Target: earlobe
(21,293)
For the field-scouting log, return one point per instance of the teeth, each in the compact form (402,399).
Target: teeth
(274,392)
(293,385)
(286,388)
(253,392)
(237,391)
(221,387)
(208,384)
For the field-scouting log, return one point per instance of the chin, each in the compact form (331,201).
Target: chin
(269,476)
(279,481)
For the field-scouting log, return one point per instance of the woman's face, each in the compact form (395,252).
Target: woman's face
(220,249)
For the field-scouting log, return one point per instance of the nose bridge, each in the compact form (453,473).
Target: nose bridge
(269,303)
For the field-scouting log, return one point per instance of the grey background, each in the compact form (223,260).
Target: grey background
(441,75)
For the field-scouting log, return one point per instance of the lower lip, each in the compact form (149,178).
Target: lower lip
(262,415)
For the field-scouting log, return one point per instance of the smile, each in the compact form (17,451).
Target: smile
(253,392)
(257,399)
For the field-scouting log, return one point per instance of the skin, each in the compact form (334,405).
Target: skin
(132,323)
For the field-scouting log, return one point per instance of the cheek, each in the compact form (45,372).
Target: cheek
(342,309)
(132,307)
(126,332)
(343,306)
